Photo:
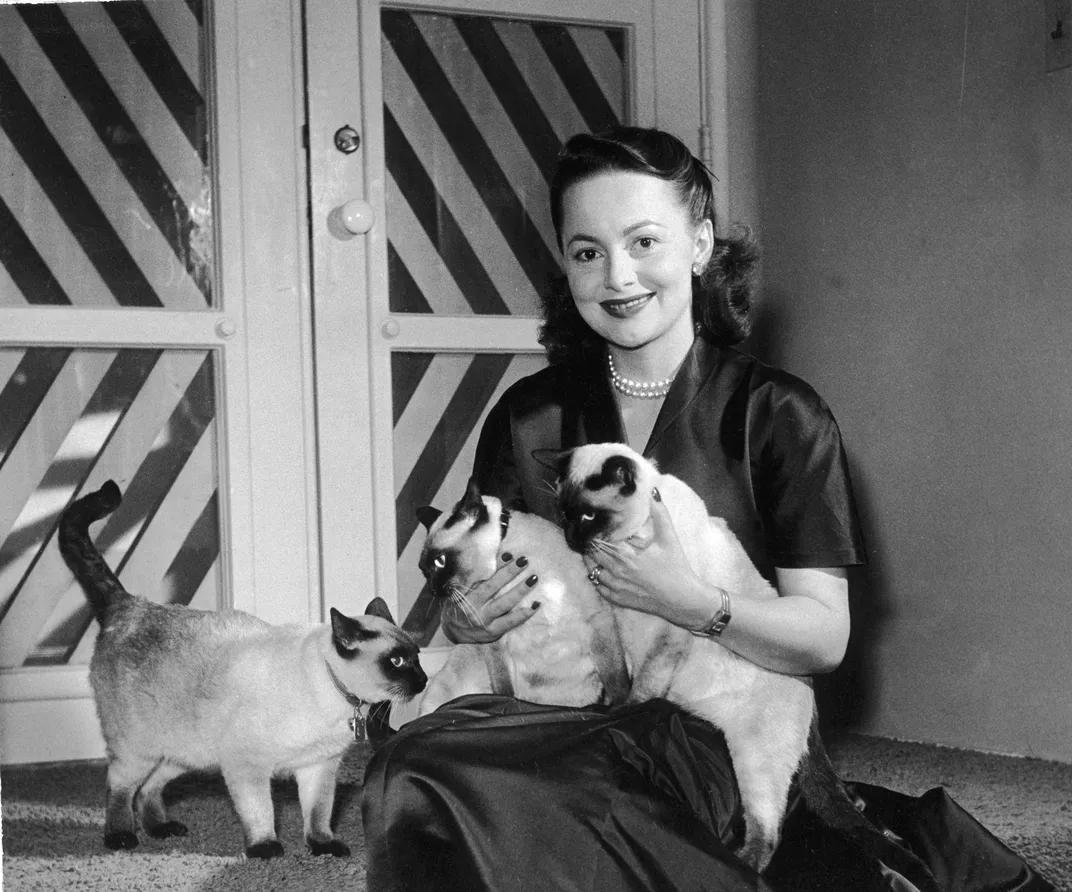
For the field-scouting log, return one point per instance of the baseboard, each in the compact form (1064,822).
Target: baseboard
(59,730)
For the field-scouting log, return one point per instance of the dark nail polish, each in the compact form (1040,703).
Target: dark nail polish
(535,605)
(532,580)
(655,494)
(507,557)
(522,561)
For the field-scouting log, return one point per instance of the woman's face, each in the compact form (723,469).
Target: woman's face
(629,247)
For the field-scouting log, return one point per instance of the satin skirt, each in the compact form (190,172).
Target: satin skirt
(492,794)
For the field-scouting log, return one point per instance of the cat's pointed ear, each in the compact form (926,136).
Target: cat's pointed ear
(348,632)
(378,607)
(556,460)
(428,515)
(622,470)
(471,502)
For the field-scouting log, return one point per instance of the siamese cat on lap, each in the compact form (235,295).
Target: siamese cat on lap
(567,654)
(181,690)
(769,719)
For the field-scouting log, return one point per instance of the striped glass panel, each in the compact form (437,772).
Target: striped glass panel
(440,402)
(71,419)
(475,112)
(105,182)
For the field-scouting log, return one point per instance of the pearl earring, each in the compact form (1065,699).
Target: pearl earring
(696,267)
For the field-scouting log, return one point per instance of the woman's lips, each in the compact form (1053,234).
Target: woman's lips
(625,307)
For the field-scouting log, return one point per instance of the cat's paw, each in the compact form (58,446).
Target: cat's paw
(168,829)
(120,839)
(332,847)
(757,852)
(270,848)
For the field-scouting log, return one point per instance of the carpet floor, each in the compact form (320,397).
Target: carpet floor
(53,820)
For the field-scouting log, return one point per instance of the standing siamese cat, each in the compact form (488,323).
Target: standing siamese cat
(179,689)
(566,654)
(769,719)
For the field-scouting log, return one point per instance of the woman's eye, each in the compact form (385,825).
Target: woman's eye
(646,241)
(397,661)
(586,255)
(440,561)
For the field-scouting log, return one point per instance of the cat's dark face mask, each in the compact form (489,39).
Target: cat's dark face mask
(590,499)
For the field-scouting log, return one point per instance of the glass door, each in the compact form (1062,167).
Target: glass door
(112,332)
(142,284)
(427,293)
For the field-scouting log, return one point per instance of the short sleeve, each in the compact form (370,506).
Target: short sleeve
(801,479)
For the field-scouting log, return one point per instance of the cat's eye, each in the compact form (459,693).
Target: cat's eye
(398,661)
(588,517)
(440,561)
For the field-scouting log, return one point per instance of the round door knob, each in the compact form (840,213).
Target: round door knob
(356,217)
(390,329)
(226,328)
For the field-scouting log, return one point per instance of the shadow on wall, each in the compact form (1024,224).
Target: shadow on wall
(845,696)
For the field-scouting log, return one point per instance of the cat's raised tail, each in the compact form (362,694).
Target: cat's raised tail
(101,586)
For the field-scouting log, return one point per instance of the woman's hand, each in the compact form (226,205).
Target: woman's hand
(493,605)
(802,632)
(651,573)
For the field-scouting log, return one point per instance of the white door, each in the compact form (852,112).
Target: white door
(426,315)
(151,331)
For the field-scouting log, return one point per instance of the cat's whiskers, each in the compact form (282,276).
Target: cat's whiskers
(549,487)
(460,596)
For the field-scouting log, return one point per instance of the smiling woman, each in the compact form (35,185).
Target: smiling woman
(630,248)
(641,339)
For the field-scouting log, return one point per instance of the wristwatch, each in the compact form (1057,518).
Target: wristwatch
(715,626)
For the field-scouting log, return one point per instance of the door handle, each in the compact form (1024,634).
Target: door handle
(355,217)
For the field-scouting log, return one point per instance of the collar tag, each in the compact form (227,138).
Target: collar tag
(357,722)
(357,725)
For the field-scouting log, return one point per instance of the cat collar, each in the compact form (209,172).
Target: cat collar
(357,721)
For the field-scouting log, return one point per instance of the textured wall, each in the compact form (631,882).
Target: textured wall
(914,194)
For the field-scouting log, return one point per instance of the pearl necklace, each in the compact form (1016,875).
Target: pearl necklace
(645,390)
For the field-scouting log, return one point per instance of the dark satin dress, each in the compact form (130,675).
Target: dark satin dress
(491,793)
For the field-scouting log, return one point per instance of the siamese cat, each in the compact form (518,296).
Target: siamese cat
(566,654)
(769,719)
(180,690)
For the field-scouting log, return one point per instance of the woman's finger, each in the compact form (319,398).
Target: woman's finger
(491,608)
(508,621)
(497,592)
(509,595)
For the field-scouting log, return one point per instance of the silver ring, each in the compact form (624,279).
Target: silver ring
(593,574)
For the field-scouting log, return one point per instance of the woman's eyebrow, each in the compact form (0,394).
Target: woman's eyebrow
(641,225)
(584,237)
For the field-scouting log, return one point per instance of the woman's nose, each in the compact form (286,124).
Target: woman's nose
(618,272)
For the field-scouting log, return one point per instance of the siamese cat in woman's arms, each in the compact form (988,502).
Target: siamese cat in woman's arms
(180,690)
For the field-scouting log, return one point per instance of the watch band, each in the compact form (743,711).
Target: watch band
(715,626)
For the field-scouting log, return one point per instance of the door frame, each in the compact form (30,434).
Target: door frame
(299,507)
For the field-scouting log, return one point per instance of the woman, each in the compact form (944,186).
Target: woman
(490,793)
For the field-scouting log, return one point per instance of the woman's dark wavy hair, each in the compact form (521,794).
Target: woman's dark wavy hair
(722,293)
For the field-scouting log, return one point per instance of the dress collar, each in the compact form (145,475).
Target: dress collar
(602,419)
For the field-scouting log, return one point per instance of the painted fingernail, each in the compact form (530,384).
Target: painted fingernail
(655,494)
(532,580)
(535,605)
(507,557)
(522,561)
